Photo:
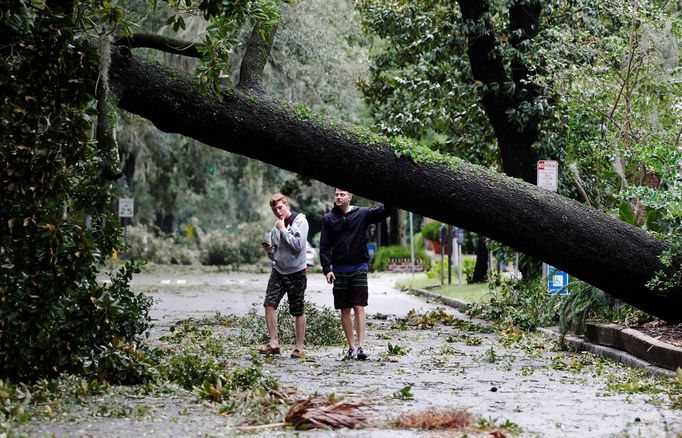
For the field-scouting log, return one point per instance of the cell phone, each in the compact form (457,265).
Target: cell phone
(264,244)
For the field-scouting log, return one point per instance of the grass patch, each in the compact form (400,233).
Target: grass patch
(469,293)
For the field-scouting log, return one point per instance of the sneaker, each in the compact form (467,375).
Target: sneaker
(350,354)
(360,355)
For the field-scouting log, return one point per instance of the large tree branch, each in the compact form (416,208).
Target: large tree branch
(106,109)
(255,57)
(160,42)
(597,248)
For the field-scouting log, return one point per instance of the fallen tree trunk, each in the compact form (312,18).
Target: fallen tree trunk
(603,251)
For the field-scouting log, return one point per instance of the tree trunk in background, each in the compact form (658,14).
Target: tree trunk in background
(500,101)
(480,274)
(397,228)
(603,251)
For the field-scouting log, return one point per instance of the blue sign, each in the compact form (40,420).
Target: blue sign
(557,281)
(371,249)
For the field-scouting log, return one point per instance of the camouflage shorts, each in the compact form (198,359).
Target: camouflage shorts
(291,284)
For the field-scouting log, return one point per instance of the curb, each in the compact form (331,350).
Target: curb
(610,353)
(578,343)
(452,302)
(636,343)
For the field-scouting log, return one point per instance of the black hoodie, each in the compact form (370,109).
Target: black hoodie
(343,240)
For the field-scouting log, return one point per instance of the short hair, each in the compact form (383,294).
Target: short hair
(276,198)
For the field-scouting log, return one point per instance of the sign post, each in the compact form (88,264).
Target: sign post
(548,175)
(126,209)
(548,178)
(441,240)
(460,261)
(557,281)
(411,246)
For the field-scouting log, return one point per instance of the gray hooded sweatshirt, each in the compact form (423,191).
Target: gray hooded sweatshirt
(290,246)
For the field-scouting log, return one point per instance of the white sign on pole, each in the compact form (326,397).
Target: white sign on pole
(548,174)
(126,207)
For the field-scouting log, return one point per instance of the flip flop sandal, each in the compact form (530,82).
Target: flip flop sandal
(268,349)
(297,354)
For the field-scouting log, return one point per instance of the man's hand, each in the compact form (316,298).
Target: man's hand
(268,249)
(330,277)
(280,225)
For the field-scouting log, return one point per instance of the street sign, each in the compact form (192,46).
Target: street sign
(371,249)
(126,207)
(557,281)
(548,174)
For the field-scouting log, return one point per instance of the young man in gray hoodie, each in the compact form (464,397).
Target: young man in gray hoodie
(287,250)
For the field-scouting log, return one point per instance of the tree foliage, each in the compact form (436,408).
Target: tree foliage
(56,222)
(421,85)
(605,76)
(614,68)
(317,56)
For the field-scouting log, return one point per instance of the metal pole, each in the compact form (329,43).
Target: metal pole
(411,245)
(460,239)
(459,258)
(441,239)
(516,265)
(449,254)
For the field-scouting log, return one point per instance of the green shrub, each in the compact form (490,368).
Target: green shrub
(384,255)
(189,370)
(81,332)
(436,268)
(56,228)
(525,304)
(468,266)
(418,241)
(143,244)
(431,231)
(584,302)
(233,246)
(219,248)
(323,326)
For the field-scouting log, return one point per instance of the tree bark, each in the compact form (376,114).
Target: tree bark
(160,42)
(503,94)
(480,274)
(255,57)
(106,109)
(603,251)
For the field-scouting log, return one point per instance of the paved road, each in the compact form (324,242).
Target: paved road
(518,385)
(197,295)
(547,393)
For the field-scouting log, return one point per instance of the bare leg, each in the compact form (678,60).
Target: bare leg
(360,324)
(271,321)
(347,324)
(300,331)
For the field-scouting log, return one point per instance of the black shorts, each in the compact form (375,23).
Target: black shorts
(291,284)
(350,289)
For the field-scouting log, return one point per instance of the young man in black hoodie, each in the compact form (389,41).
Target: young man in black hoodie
(345,261)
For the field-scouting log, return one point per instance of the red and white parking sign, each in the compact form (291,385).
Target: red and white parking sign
(548,173)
